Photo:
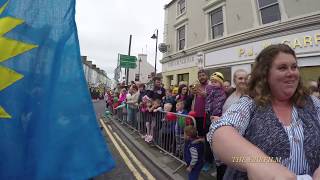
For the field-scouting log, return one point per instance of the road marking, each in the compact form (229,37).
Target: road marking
(138,163)
(122,154)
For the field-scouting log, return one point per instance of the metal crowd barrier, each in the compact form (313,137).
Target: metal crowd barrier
(166,129)
(170,137)
(120,113)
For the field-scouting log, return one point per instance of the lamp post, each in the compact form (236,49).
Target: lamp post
(139,69)
(155,36)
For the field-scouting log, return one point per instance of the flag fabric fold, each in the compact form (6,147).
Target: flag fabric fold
(48,128)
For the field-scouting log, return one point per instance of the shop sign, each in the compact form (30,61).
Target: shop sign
(182,63)
(302,43)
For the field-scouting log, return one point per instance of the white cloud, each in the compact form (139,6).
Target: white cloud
(104,27)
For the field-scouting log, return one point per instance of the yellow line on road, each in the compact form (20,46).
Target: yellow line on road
(138,163)
(122,154)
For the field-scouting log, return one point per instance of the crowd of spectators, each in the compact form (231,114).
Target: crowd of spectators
(209,100)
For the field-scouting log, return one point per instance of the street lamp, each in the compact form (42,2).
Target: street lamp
(155,36)
(139,69)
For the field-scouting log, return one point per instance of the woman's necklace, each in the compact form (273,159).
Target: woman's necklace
(295,126)
(291,124)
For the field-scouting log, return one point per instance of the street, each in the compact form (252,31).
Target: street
(130,163)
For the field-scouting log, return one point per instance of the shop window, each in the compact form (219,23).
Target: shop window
(170,80)
(183,77)
(269,11)
(310,73)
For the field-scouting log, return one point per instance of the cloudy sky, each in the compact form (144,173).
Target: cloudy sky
(104,27)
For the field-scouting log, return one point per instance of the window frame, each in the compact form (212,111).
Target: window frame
(179,39)
(179,10)
(260,9)
(211,14)
(183,77)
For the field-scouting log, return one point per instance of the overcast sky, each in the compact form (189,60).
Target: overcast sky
(104,27)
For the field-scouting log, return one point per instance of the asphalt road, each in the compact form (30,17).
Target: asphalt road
(130,163)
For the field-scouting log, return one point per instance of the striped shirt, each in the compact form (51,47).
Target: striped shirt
(234,97)
(238,116)
(194,156)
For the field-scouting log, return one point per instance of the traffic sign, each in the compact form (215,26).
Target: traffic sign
(128,64)
(127,61)
(128,58)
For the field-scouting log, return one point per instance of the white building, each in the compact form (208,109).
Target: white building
(225,35)
(109,83)
(95,76)
(142,70)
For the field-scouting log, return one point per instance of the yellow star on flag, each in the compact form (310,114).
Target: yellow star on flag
(9,48)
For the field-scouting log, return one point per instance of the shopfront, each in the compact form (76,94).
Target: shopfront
(181,70)
(306,45)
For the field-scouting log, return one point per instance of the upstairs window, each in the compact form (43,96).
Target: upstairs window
(269,11)
(181,7)
(216,23)
(181,38)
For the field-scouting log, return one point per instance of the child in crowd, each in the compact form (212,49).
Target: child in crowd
(167,107)
(215,96)
(142,119)
(193,152)
(142,92)
(132,103)
(214,102)
(167,130)
(156,108)
(143,104)
(175,91)
(169,99)
(178,129)
(123,95)
(151,122)
(116,102)
(156,105)
(149,112)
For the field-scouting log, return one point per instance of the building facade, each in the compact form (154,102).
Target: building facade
(143,69)
(95,76)
(225,35)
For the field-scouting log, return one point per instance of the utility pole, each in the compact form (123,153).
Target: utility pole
(127,69)
(139,69)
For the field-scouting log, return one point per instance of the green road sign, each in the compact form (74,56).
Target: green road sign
(128,65)
(127,58)
(128,61)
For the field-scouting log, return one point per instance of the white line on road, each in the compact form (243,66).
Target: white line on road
(138,163)
(122,154)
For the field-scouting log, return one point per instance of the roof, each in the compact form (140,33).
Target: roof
(169,4)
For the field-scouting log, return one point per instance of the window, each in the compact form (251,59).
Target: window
(269,11)
(216,22)
(170,80)
(183,77)
(181,38)
(181,6)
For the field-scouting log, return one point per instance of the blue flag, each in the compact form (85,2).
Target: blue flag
(48,128)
